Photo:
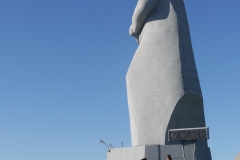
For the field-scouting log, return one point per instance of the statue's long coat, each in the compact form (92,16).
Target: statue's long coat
(162,81)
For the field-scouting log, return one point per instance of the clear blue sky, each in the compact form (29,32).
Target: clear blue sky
(62,76)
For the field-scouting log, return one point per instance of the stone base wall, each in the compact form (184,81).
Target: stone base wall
(159,152)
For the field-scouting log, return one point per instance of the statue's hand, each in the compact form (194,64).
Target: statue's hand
(131,33)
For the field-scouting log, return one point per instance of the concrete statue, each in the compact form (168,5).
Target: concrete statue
(162,83)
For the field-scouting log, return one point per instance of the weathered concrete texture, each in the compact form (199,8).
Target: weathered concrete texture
(162,81)
(238,157)
(159,152)
(130,153)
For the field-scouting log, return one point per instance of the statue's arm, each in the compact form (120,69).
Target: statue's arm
(141,13)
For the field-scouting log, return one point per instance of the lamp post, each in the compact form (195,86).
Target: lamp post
(101,141)
(111,145)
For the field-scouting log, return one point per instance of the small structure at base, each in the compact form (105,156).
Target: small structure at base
(159,152)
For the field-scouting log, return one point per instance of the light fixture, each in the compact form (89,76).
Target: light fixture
(101,141)
(111,145)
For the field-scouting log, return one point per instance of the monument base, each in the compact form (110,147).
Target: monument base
(159,152)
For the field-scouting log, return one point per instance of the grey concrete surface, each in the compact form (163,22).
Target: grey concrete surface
(162,81)
(159,152)
(130,153)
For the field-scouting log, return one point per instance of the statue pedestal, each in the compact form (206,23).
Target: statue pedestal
(159,152)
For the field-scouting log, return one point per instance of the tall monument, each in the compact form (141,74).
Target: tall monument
(162,82)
